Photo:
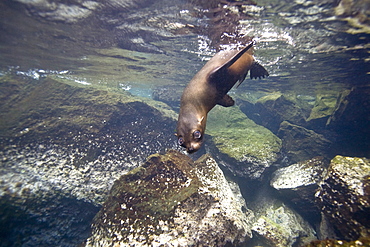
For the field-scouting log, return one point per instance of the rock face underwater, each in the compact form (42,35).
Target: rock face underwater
(61,156)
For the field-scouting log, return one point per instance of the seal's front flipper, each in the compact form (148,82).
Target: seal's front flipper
(258,71)
(226,101)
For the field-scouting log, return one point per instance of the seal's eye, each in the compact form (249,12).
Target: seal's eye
(197,134)
(180,141)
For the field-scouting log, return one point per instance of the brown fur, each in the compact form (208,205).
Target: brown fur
(208,88)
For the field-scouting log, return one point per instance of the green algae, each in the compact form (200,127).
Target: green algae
(239,137)
(324,107)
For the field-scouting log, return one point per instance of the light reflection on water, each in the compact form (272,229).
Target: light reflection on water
(303,47)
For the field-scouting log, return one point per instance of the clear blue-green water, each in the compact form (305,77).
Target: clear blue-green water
(310,48)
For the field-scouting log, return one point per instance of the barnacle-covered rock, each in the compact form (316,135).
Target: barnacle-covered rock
(172,201)
(245,147)
(344,196)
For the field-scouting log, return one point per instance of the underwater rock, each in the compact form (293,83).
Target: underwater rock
(344,196)
(171,200)
(279,226)
(336,243)
(47,220)
(323,108)
(76,139)
(96,122)
(271,110)
(298,183)
(169,94)
(66,145)
(244,147)
(351,121)
(302,144)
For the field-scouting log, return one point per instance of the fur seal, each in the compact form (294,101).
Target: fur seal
(210,87)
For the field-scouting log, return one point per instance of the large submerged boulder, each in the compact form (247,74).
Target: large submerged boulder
(245,147)
(271,110)
(344,196)
(61,149)
(302,144)
(298,184)
(173,201)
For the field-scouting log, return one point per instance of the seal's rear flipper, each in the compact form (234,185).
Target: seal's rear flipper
(258,71)
(226,101)
(221,71)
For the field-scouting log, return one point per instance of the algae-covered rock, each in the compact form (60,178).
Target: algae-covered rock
(247,148)
(302,144)
(172,201)
(280,226)
(323,108)
(344,196)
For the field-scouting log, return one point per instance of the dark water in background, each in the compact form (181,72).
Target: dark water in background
(140,46)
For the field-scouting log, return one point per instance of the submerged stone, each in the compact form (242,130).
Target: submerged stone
(339,243)
(323,108)
(280,226)
(61,149)
(344,196)
(172,201)
(302,144)
(246,148)
(298,183)
(170,95)
(271,110)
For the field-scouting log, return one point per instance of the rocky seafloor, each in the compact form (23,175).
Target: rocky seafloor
(97,167)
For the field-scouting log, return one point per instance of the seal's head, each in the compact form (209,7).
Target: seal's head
(190,135)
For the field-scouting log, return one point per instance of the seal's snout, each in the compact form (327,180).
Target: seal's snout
(193,148)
